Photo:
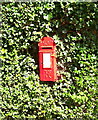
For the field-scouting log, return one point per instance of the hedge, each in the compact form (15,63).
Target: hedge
(74,27)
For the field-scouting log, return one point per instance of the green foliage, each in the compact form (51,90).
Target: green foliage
(74,27)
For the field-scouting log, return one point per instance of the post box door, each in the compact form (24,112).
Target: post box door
(47,72)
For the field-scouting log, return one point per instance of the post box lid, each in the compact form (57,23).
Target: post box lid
(46,41)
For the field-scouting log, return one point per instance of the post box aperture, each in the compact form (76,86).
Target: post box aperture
(47,59)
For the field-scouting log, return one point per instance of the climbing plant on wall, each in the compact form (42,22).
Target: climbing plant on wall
(74,27)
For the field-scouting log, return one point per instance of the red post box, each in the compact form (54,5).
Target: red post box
(47,59)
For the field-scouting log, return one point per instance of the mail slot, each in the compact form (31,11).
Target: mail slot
(47,59)
(47,48)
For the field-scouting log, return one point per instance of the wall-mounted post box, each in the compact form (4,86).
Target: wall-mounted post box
(47,59)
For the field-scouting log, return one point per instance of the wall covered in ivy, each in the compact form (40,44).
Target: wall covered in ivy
(74,28)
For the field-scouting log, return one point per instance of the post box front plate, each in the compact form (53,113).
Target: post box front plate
(46,60)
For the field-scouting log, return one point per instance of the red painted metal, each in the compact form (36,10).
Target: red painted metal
(47,59)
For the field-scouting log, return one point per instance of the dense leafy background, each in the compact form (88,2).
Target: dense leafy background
(74,27)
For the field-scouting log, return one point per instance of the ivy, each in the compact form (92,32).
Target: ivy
(74,28)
